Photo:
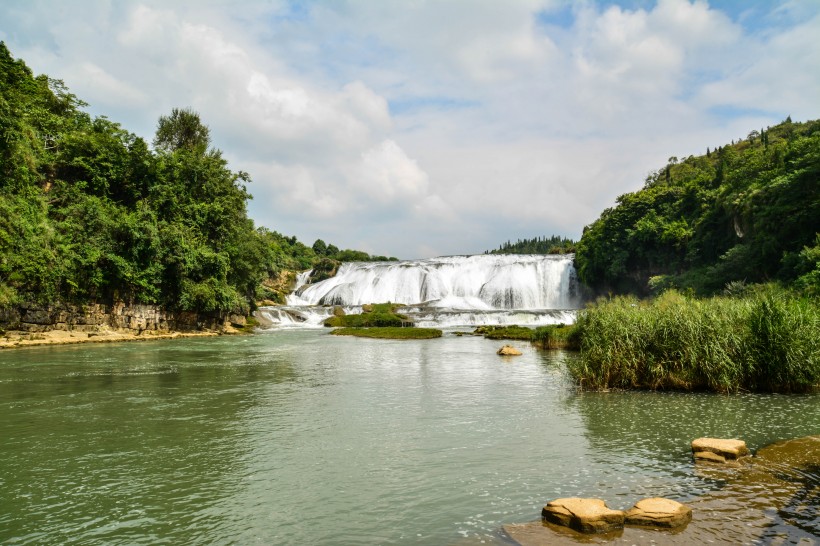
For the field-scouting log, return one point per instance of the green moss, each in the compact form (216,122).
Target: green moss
(381,315)
(389,333)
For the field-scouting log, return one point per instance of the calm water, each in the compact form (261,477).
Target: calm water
(298,437)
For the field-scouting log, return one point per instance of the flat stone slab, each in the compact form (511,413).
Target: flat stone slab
(728,449)
(508,350)
(583,515)
(658,512)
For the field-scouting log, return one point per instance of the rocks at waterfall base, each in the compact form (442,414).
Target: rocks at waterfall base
(508,350)
(717,450)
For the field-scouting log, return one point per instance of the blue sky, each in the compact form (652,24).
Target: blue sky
(425,128)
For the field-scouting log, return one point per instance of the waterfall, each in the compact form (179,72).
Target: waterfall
(453,290)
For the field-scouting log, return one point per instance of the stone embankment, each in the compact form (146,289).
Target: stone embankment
(31,324)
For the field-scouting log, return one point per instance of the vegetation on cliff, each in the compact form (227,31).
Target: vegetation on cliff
(748,212)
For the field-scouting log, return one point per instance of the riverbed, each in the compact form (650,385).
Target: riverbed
(299,437)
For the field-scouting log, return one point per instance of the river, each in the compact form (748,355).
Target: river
(294,436)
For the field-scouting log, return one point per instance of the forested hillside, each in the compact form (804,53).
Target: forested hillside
(537,245)
(89,212)
(745,212)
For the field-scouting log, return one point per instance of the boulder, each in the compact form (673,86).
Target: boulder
(729,450)
(338,311)
(508,350)
(583,515)
(658,512)
(367,308)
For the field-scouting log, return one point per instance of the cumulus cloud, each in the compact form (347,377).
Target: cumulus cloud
(435,127)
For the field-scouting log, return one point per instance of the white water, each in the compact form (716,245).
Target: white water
(443,292)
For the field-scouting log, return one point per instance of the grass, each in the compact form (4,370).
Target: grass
(557,336)
(389,333)
(765,340)
(518,333)
(554,336)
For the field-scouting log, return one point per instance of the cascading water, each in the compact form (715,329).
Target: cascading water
(448,291)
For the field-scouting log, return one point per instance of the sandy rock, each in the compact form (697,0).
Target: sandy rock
(508,350)
(728,449)
(658,512)
(583,515)
(708,456)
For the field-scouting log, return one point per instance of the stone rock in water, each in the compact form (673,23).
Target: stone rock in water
(508,350)
(709,457)
(658,512)
(583,515)
(728,449)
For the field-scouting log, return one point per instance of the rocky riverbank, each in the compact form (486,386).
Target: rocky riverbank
(31,324)
(771,498)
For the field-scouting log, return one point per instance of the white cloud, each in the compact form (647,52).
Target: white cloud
(470,122)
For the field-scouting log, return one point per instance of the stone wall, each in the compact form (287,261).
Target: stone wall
(117,317)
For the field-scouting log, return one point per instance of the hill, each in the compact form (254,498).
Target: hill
(746,212)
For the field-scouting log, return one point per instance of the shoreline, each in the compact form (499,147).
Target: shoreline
(17,339)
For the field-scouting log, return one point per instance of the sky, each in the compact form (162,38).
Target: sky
(420,128)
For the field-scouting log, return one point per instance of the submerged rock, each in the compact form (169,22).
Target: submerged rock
(583,515)
(719,450)
(508,350)
(658,512)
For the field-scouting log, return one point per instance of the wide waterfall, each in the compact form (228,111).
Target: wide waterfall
(447,291)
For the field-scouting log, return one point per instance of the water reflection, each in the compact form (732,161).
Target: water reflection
(301,437)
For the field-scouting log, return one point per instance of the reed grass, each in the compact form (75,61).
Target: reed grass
(765,340)
(557,336)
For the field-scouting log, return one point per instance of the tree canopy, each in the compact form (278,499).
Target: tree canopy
(741,213)
(90,213)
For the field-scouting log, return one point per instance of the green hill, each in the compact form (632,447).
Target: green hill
(745,212)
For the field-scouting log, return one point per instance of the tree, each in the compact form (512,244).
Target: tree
(182,130)
(319,247)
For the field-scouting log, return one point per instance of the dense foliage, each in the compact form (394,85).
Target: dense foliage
(90,213)
(764,339)
(537,245)
(744,212)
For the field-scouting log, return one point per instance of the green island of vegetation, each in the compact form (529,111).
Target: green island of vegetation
(553,336)
(389,332)
(380,321)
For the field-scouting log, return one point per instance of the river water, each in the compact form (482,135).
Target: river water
(299,437)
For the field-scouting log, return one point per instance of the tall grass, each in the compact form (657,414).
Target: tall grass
(765,340)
